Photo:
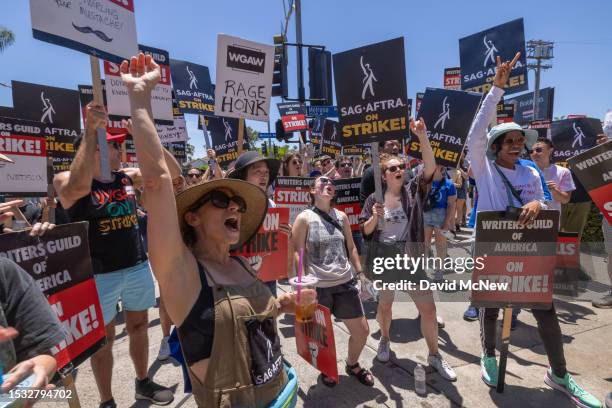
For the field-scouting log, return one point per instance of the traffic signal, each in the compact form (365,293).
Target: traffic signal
(319,76)
(275,147)
(264,149)
(279,77)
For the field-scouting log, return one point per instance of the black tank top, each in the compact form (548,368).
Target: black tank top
(198,329)
(114,235)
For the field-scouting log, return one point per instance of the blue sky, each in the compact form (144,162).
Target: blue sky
(431,29)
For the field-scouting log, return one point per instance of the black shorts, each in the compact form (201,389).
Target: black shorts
(343,300)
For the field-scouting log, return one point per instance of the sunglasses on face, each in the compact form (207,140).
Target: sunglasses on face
(325,180)
(393,169)
(538,150)
(193,175)
(346,164)
(220,200)
(511,142)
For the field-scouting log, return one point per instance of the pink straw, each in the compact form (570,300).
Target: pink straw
(300,273)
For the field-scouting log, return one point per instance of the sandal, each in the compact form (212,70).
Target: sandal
(363,376)
(328,381)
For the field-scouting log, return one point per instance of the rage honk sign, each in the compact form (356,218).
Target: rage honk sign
(103,28)
(315,342)
(371,91)
(244,78)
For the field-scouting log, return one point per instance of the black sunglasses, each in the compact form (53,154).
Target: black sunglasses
(393,169)
(346,164)
(538,150)
(193,175)
(326,180)
(220,200)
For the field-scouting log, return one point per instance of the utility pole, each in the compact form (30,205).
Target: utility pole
(300,67)
(538,50)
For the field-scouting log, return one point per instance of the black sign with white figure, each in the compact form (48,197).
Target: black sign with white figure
(224,136)
(448,115)
(331,138)
(573,136)
(371,92)
(478,55)
(192,87)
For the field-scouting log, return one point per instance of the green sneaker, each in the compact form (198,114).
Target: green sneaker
(488,370)
(568,386)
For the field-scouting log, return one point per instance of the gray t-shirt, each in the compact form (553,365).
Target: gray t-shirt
(24,307)
(325,255)
(396,225)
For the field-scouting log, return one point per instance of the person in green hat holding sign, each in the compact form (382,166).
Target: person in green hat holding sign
(494,157)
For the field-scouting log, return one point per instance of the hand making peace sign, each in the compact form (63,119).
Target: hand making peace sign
(503,71)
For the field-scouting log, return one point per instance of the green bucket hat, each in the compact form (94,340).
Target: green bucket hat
(531,136)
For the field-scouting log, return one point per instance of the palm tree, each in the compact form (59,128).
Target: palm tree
(6,38)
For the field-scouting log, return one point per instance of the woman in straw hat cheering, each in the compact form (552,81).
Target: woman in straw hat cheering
(225,316)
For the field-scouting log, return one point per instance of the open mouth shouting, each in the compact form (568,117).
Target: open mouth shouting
(232,223)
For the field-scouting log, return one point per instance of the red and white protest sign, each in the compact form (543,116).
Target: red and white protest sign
(593,170)
(315,342)
(293,193)
(293,116)
(452,78)
(60,264)
(117,98)
(267,250)
(519,261)
(25,144)
(567,268)
(347,199)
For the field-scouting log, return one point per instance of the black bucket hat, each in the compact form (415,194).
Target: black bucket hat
(252,157)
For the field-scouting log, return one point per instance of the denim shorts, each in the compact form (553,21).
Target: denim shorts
(133,285)
(434,217)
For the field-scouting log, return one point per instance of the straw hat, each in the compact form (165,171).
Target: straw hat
(256,200)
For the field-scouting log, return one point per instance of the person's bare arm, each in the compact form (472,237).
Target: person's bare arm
(378,211)
(561,196)
(450,213)
(298,237)
(429,162)
(350,244)
(172,263)
(76,183)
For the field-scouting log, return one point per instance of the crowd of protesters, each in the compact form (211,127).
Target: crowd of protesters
(189,222)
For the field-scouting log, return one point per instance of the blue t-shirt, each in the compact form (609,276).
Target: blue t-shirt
(445,188)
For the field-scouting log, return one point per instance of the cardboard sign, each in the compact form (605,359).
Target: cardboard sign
(572,137)
(244,78)
(505,113)
(315,342)
(86,96)
(193,88)
(523,106)
(542,126)
(347,199)
(178,150)
(419,101)
(316,130)
(331,134)
(224,136)
(478,57)
(594,170)
(60,264)
(117,98)
(267,250)
(25,144)
(518,261)
(452,78)
(175,133)
(371,92)
(103,28)
(448,115)
(293,193)
(293,116)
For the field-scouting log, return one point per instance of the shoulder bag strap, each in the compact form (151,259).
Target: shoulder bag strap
(510,191)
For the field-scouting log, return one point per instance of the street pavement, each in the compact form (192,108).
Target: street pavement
(586,336)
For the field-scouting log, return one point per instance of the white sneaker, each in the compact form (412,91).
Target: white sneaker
(164,350)
(440,322)
(442,367)
(384,350)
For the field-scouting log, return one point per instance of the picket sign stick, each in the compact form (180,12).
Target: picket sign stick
(49,212)
(98,98)
(240,135)
(505,343)
(377,179)
(73,402)
(205,130)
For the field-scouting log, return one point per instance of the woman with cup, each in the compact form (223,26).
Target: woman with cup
(222,311)
(324,235)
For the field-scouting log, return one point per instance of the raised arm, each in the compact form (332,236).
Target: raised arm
(429,163)
(298,236)
(76,183)
(477,137)
(167,252)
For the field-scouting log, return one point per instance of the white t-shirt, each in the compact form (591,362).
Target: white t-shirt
(491,188)
(563,178)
